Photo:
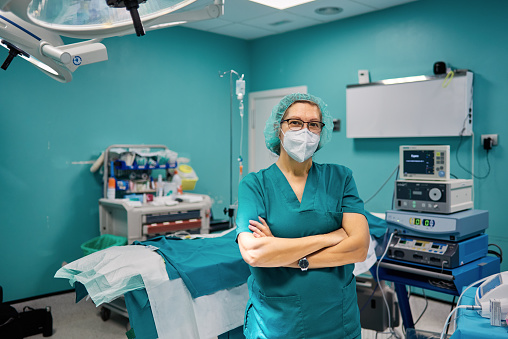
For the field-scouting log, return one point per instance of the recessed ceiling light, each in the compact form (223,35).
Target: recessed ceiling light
(281,4)
(328,10)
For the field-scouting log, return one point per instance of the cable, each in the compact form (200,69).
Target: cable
(468,307)
(453,306)
(468,287)
(424,309)
(499,255)
(464,168)
(393,195)
(382,289)
(383,185)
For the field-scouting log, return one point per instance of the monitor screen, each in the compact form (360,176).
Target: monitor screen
(418,162)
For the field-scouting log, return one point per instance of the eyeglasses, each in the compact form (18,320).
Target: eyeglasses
(297,124)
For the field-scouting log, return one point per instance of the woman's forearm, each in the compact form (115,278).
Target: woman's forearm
(349,251)
(277,252)
(352,249)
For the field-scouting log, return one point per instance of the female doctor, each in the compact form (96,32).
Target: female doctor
(301,226)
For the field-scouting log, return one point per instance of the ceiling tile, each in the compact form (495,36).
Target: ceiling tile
(241,10)
(242,31)
(207,24)
(249,20)
(281,22)
(350,8)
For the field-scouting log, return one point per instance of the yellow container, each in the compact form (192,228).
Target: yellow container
(189,177)
(189,184)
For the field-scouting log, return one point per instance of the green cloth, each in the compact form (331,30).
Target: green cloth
(287,302)
(377,226)
(206,265)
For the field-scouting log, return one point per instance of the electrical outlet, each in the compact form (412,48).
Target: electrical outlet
(492,136)
(336,125)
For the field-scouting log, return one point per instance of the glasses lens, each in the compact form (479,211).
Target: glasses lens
(295,124)
(315,126)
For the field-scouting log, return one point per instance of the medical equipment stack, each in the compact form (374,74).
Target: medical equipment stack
(433,227)
(147,203)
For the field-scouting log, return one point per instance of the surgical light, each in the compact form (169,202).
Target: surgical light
(100,18)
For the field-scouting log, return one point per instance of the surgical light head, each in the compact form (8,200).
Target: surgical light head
(92,19)
(272,126)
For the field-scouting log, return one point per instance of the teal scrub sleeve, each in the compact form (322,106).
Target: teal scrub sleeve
(351,202)
(250,203)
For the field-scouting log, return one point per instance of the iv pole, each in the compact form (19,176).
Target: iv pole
(240,92)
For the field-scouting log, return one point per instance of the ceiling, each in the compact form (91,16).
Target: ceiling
(249,20)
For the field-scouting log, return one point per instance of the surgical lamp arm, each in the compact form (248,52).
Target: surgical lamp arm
(212,11)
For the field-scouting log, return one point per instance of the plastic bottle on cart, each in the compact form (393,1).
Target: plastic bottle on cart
(111,188)
(160,186)
(111,193)
(178,181)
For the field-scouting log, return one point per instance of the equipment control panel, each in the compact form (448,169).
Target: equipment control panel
(444,254)
(451,227)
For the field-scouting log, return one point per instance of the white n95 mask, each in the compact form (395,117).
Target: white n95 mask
(300,145)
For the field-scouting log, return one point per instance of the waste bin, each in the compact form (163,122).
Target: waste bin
(102,242)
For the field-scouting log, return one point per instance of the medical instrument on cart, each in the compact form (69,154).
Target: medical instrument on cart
(495,283)
(451,227)
(445,197)
(492,296)
(240,94)
(425,162)
(439,253)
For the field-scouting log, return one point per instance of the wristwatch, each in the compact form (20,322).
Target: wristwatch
(303,264)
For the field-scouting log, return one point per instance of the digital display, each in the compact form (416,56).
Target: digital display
(422,222)
(435,246)
(418,162)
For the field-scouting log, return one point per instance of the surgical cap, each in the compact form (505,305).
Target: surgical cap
(273,123)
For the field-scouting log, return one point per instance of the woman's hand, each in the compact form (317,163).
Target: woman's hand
(260,229)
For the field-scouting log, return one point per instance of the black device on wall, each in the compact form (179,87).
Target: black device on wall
(439,67)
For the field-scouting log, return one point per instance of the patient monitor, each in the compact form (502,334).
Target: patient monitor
(425,162)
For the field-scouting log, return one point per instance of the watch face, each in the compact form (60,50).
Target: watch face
(303,263)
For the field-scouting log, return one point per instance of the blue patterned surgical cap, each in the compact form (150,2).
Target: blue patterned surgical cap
(273,123)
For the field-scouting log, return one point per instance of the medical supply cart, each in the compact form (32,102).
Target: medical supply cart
(135,212)
(138,222)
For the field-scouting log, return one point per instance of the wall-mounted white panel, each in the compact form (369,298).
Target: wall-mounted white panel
(411,107)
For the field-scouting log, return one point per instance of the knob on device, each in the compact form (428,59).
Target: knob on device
(435,194)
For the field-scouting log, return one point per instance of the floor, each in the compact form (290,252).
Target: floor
(83,320)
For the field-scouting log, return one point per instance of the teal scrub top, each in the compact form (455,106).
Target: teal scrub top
(287,302)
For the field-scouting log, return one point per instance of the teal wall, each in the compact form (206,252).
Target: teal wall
(399,42)
(164,88)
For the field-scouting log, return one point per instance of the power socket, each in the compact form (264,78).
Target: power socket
(492,136)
